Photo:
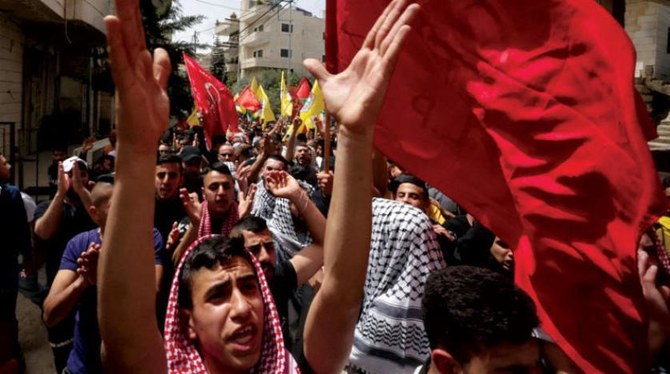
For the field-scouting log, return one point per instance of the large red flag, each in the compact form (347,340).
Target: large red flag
(525,113)
(248,100)
(303,90)
(213,100)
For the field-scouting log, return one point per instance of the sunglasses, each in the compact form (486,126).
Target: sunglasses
(256,248)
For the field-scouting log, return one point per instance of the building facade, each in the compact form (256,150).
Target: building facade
(272,35)
(52,53)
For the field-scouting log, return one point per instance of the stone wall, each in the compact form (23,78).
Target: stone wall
(648,25)
(11,72)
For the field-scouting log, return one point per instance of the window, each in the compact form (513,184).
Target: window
(286,27)
(258,53)
(285,53)
(259,28)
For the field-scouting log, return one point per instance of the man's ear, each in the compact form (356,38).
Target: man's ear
(444,362)
(93,212)
(187,323)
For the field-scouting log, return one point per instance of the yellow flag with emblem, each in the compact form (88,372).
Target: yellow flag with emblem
(313,107)
(266,109)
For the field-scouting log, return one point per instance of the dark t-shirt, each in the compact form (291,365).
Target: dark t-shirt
(15,234)
(305,173)
(75,220)
(283,285)
(167,212)
(85,354)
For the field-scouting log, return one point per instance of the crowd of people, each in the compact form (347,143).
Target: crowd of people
(267,250)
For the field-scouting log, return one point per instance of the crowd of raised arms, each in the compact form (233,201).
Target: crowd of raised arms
(269,251)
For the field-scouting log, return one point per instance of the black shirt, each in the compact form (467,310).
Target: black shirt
(167,213)
(283,285)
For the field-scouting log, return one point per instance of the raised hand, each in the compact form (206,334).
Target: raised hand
(658,297)
(173,236)
(246,201)
(87,145)
(355,96)
(88,264)
(77,183)
(325,181)
(282,184)
(63,180)
(192,206)
(140,80)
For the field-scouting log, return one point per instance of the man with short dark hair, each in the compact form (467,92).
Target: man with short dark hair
(56,222)
(168,213)
(218,212)
(478,321)
(192,166)
(302,168)
(285,273)
(230,323)
(74,288)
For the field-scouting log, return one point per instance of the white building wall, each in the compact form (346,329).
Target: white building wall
(306,40)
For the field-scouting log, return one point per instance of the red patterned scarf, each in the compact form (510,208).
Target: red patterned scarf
(231,218)
(182,355)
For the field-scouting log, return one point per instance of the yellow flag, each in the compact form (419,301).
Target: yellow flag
(193,120)
(313,107)
(254,86)
(266,110)
(285,99)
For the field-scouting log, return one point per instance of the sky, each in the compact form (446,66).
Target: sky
(221,9)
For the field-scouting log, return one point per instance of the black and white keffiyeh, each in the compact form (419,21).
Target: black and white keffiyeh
(277,213)
(390,336)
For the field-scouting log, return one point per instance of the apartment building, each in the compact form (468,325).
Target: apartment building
(51,61)
(272,35)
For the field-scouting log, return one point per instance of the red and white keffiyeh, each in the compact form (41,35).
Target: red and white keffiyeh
(205,228)
(182,355)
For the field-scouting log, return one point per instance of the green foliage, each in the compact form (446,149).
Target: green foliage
(218,62)
(159,32)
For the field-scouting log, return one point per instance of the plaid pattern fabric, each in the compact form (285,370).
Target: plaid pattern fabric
(184,358)
(390,336)
(661,254)
(277,213)
(229,221)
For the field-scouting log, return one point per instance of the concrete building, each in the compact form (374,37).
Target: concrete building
(272,35)
(229,30)
(52,82)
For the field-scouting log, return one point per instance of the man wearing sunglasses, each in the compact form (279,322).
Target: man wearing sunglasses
(285,276)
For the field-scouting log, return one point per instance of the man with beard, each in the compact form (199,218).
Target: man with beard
(192,165)
(302,168)
(56,222)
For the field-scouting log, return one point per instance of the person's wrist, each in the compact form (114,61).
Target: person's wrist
(81,282)
(356,133)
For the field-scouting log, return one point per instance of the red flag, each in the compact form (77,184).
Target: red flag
(213,100)
(303,90)
(248,100)
(528,117)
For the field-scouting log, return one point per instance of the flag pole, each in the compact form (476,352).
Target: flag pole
(325,166)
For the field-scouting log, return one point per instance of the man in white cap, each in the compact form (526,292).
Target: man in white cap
(56,222)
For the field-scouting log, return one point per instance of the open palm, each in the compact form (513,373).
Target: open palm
(355,96)
(140,79)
